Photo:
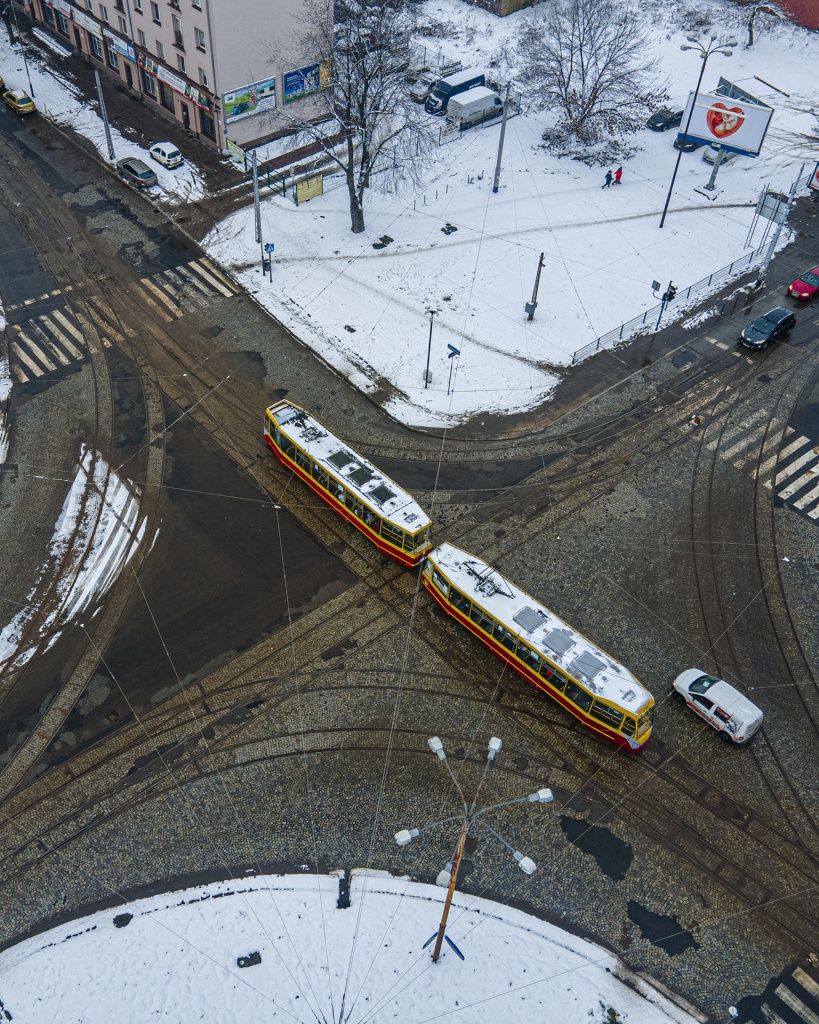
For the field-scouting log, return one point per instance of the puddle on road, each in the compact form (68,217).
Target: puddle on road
(661,930)
(612,854)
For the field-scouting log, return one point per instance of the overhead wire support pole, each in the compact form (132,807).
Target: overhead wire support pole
(496,181)
(106,126)
(772,247)
(530,307)
(705,53)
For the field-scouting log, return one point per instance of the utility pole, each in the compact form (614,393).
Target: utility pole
(668,296)
(530,307)
(496,182)
(432,313)
(772,247)
(469,817)
(106,126)
(257,205)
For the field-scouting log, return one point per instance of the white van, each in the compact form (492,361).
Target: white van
(720,704)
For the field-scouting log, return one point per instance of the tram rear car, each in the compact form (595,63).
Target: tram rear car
(348,483)
(541,647)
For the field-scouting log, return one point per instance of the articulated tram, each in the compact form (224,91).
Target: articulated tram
(542,648)
(348,483)
(537,644)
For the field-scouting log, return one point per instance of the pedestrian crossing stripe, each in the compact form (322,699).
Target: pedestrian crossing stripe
(789,999)
(787,472)
(46,345)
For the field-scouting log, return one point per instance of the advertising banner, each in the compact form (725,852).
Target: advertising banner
(733,124)
(87,23)
(309,188)
(303,82)
(814,180)
(256,98)
(120,45)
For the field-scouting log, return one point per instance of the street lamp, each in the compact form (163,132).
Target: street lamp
(705,50)
(448,876)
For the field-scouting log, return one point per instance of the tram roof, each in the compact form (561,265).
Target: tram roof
(356,473)
(541,629)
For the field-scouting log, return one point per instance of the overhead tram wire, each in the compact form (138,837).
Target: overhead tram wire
(227,796)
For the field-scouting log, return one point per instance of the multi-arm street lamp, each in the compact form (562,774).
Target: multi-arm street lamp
(705,51)
(469,817)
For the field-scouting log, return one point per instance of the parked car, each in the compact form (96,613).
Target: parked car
(730,712)
(136,172)
(167,154)
(423,86)
(805,287)
(451,86)
(773,326)
(687,144)
(19,102)
(710,155)
(664,119)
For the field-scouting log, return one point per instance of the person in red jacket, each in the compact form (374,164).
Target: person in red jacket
(618,174)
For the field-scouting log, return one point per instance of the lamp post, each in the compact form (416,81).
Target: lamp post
(468,817)
(705,50)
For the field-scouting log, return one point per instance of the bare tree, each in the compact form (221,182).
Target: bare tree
(591,59)
(367,123)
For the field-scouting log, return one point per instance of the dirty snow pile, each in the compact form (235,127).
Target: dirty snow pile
(96,535)
(278,949)
(470,255)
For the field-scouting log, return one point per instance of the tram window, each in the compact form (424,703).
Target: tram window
(337,490)
(302,460)
(577,695)
(532,658)
(354,504)
(372,520)
(392,534)
(629,726)
(320,476)
(607,714)
(440,582)
(552,676)
(508,639)
(461,602)
(480,619)
(288,447)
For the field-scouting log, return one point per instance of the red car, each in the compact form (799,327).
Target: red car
(806,286)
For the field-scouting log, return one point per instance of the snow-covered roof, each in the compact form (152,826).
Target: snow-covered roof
(541,629)
(353,470)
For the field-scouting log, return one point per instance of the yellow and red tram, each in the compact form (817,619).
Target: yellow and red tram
(541,647)
(348,483)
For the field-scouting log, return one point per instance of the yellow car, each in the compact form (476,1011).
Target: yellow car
(19,102)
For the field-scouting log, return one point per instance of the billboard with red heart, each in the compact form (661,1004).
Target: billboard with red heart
(733,124)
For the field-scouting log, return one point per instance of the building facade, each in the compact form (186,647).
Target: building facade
(221,68)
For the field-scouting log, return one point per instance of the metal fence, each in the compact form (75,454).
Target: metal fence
(650,317)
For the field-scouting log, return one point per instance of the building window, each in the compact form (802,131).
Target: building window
(199,35)
(197,4)
(123,26)
(160,50)
(113,60)
(148,84)
(96,45)
(119,5)
(203,77)
(138,6)
(143,42)
(48,14)
(62,23)
(177,32)
(155,13)
(89,5)
(180,62)
(104,14)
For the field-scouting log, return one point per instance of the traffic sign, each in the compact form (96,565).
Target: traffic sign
(269,247)
(453,351)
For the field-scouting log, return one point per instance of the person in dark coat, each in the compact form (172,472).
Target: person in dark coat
(608,180)
(618,174)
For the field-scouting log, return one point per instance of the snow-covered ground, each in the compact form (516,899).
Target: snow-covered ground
(58,99)
(110,531)
(5,390)
(175,957)
(366,310)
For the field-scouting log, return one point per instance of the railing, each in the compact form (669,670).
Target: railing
(635,325)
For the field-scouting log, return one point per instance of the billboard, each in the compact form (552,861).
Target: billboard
(256,98)
(733,124)
(305,81)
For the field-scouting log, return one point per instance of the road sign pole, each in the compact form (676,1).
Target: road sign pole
(429,349)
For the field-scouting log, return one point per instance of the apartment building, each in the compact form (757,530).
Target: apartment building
(219,67)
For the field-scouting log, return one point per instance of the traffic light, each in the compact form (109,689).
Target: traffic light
(671,294)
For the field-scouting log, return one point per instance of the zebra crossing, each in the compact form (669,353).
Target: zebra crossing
(186,288)
(792,473)
(51,345)
(790,999)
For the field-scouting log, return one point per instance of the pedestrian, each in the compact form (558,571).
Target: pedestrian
(618,174)
(608,180)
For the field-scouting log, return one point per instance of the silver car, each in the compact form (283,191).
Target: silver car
(133,170)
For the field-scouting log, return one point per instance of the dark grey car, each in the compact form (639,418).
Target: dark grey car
(774,325)
(136,172)
(664,119)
